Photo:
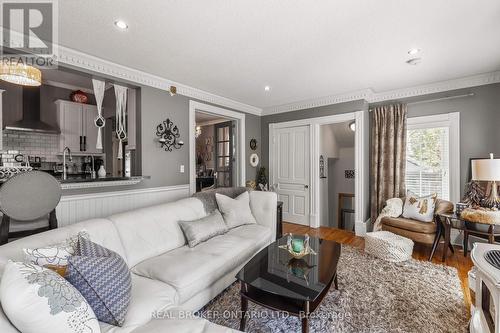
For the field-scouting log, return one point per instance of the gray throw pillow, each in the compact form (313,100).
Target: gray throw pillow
(103,279)
(201,230)
(236,212)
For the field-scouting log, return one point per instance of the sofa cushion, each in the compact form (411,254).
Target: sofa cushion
(236,211)
(103,278)
(148,296)
(190,270)
(37,299)
(261,236)
(151,231)
(409,224)
(203,229)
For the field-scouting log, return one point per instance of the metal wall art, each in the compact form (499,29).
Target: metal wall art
(168,134)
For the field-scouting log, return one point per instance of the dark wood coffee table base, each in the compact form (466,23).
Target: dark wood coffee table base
(301,309)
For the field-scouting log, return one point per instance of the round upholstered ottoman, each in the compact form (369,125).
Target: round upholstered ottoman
(388,246)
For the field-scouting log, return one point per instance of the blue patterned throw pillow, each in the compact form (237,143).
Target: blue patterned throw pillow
(103,278)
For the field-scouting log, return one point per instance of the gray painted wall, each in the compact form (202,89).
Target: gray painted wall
(479,121)
(163,167)
(327,110)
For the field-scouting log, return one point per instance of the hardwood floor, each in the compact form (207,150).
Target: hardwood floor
(420,251)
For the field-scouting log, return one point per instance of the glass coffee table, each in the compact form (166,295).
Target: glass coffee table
(277,281)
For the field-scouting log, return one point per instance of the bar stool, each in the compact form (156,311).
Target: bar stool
(28,201)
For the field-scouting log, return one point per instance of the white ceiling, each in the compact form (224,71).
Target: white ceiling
(301,49)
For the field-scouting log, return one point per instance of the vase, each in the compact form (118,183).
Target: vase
(101,173)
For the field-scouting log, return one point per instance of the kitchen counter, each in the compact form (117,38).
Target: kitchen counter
(74,181)
(87,182)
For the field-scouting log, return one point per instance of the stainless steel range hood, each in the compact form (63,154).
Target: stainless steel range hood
(31,114)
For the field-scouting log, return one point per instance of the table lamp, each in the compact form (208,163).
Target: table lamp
(488,170)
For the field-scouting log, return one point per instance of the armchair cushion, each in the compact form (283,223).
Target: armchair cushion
(409,224)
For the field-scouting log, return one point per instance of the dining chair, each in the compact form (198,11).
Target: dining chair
(28,201)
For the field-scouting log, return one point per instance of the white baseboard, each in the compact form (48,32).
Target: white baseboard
(360,228)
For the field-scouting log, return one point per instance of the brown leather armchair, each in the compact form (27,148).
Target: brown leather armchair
(419,232)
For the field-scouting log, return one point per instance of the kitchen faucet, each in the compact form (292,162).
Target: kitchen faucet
(65,175)
(92,172)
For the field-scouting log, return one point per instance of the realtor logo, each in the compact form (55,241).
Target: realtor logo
(29,30)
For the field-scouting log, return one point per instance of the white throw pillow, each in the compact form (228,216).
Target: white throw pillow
(36,299)
(54,255)
(237,211)
(420,208)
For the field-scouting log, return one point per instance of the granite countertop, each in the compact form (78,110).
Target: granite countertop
(88,182)
(91,180)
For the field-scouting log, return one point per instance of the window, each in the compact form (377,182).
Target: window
(431,156)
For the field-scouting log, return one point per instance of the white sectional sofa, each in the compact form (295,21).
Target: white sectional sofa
(166,273)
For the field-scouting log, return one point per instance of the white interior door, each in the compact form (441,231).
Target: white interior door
(291,161)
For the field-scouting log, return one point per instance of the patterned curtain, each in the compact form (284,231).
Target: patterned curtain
(388,155)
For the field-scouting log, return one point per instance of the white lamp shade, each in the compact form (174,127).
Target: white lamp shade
(486,170)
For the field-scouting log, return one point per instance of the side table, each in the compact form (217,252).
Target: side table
(448,221)
(481,230)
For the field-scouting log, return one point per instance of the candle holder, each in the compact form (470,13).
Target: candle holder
(295,250)
(168,134)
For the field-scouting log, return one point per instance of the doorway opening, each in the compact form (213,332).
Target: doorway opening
(336,173)
(215,151)
(295,166)
(216,147)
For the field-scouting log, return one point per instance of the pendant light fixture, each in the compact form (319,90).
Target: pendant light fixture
(21,74)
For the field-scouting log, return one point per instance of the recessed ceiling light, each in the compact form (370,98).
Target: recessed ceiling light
(120,24)
(414,61)
(267,88)
(413,51)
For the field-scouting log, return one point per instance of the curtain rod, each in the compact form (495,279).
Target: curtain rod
(439,99)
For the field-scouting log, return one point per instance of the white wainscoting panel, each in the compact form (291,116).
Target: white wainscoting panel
(80,207)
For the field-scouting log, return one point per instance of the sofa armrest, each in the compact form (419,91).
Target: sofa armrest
(264,206)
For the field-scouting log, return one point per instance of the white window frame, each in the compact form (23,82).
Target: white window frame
(452,122)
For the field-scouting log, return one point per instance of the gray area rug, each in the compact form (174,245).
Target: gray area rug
(375,296)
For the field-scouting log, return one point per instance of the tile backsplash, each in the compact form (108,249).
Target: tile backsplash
(44,145)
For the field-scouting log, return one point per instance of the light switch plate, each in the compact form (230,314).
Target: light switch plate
(182,168)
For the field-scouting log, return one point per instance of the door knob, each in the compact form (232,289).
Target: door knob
(306,186)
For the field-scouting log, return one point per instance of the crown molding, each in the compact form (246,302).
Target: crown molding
(97,65)
(317,102)
(373,97)
(437,87)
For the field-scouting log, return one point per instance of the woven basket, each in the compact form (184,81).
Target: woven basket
(388,246)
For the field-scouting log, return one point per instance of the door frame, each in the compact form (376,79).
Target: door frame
(239,119)
(361,160)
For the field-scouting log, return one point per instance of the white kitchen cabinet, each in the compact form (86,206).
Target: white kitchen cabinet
(78,131)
